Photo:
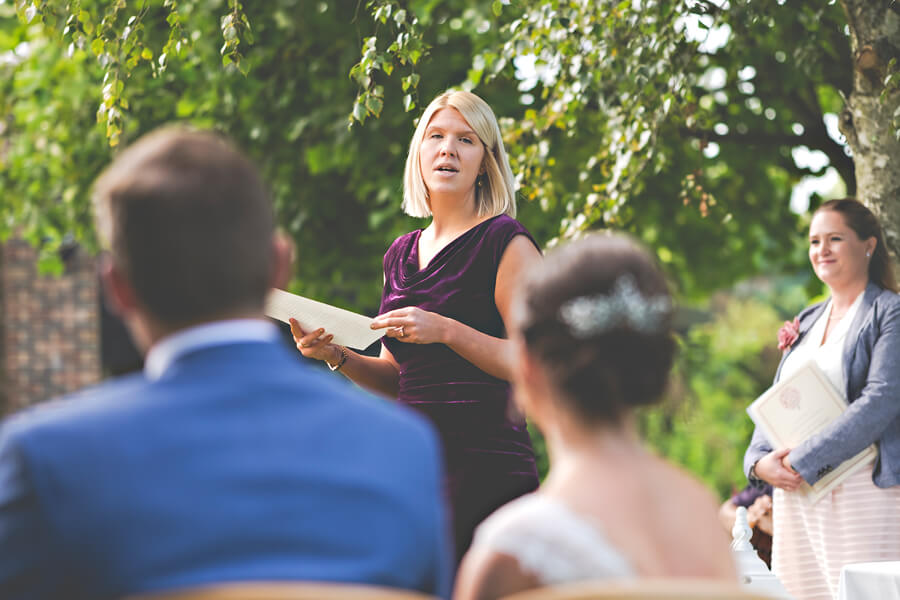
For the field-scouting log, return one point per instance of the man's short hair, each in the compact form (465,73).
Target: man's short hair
(187,219)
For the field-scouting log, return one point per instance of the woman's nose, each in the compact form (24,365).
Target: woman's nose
(447,148)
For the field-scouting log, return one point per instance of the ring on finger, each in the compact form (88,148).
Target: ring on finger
(401,332)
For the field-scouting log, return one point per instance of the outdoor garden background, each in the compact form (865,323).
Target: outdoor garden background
(708,129)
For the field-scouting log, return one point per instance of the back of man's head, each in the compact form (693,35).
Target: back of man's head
(189,224)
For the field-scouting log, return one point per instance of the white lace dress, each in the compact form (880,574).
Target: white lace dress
(551,541)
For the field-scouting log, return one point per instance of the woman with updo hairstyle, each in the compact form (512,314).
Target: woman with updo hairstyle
(592,334)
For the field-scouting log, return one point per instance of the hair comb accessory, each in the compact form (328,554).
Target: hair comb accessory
(587,316)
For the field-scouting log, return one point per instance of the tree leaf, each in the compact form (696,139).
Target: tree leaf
(374,105)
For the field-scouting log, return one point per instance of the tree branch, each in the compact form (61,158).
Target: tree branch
(814,139)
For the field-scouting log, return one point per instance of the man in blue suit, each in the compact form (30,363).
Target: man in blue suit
(226,459)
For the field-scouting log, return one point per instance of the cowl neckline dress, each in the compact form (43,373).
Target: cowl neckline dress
(487,448)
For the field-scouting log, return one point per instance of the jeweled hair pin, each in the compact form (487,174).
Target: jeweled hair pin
(587,316)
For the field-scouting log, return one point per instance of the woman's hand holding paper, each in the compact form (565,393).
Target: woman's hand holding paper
(413,325)
(315,344)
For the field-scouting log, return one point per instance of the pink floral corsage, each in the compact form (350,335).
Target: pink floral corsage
(788,334)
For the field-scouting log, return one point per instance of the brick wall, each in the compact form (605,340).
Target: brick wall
(49,327)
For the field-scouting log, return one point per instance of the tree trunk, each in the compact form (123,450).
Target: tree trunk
(4,406)
(867,119)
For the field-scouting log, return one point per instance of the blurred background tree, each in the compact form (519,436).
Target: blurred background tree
(703,127)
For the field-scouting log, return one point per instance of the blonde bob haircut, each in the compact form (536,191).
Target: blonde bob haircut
(497,193)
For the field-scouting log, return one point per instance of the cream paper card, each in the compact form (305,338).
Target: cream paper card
(349,328)
(797,407)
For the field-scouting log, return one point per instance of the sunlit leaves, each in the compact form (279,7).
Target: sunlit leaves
(402,46)
(119,40)
(235,29)
(617,59)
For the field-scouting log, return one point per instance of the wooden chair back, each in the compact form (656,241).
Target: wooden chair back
(287,590)
(646,589)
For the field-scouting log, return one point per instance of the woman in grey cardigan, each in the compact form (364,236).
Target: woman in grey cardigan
(854,337)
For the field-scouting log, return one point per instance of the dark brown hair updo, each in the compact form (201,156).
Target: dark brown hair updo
(614,350)
(865,224)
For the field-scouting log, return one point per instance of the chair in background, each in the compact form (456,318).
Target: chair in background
(641,589)
(305,590)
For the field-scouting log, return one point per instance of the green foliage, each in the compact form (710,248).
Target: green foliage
(613,115)
(611,126)
(403,49)
(335,191)
(624,120)
(724,364)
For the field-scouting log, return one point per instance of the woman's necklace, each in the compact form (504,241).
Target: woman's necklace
(837,317)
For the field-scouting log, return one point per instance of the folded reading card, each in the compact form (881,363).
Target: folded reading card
(349,329)
(799,406)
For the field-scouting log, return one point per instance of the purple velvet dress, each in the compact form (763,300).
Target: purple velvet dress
(488,452)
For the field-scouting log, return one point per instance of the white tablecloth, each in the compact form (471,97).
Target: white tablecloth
(870,581)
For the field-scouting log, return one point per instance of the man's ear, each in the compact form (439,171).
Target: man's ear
(282,260)
(119,293)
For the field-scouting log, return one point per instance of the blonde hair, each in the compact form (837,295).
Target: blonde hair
(497,193)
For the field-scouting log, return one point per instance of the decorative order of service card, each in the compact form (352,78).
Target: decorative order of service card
(799,406)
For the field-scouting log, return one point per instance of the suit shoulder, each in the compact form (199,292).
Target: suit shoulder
(395,419)
(357,405)
(72,410)
(889,301)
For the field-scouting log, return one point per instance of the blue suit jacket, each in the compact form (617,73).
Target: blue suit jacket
(871,361)
(240,463)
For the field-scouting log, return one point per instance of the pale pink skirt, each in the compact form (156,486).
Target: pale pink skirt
(856,522)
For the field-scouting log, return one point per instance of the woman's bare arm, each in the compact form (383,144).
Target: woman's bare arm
(377,374)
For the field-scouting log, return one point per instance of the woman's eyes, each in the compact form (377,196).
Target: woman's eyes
(437,136)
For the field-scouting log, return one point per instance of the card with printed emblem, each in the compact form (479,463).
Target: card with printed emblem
(799,406)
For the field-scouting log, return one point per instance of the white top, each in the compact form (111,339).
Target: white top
(828,356)
(551,541)
(165,351)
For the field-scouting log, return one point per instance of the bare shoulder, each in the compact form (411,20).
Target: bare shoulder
(485,575)
(520,248)
(519,256)
(695,508)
